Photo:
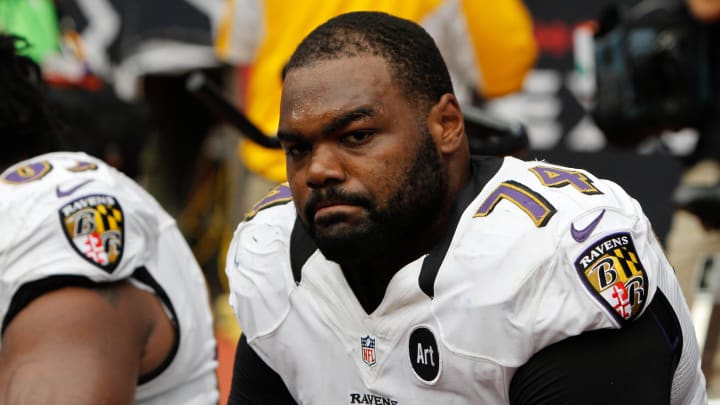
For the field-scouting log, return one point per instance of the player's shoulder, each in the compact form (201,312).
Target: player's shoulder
(258,262)
(69,182)
(61,176)
(545,235)
(34,188)
(265,232)
(78,213)
(560,181)
(547,209)
(549,195)
(275,210)
(49,174)
(569,206)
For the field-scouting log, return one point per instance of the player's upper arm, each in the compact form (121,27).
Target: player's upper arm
(254,382)
(76,345)
(574,370)
(259,268)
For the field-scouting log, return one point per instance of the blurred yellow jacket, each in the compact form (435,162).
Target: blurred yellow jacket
(487,44)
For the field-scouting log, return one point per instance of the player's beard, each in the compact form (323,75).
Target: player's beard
(401,224)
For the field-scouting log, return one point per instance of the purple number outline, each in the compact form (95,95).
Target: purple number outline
(564,177)
(279,195)
(533,204)
(29,172)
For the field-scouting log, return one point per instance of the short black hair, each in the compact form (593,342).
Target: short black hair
(412,55)
(27,124)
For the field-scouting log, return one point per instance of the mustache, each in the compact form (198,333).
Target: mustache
(334,195)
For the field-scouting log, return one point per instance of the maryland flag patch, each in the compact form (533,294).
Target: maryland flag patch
(94,227)
(612,272)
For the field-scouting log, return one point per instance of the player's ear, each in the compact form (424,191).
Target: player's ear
(445,123)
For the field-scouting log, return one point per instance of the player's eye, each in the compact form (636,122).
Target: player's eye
(358,137)
(297,150)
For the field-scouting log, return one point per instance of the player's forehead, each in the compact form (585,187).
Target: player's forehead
(330,87)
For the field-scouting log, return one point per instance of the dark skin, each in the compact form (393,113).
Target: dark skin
(346,124)
(83,346)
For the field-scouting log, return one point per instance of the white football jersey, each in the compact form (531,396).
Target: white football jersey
(68,216)
(536,254)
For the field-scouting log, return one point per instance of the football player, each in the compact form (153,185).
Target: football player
(396,268)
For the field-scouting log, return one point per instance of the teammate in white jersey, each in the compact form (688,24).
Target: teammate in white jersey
(101,300)
(394,268)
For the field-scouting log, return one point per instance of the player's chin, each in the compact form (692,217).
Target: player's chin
(340,233)
(335,226)
(333,218)
(342,245)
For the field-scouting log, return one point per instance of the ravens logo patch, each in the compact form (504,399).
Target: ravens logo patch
(94,226)
(612,272)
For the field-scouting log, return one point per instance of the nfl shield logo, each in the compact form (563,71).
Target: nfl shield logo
(368,350)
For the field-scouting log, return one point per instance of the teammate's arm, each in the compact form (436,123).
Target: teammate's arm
(78,345)
(254,382)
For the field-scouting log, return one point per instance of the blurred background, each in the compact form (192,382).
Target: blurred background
(183,96)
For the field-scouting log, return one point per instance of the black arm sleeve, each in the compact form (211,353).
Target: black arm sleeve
(254,382)
(631,365)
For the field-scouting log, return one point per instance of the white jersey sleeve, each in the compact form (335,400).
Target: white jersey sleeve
(557,252)
(258,265)
(78,216)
